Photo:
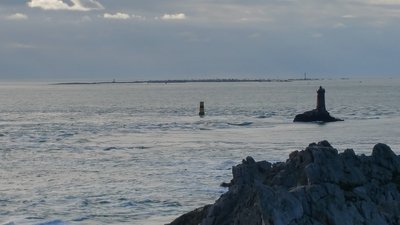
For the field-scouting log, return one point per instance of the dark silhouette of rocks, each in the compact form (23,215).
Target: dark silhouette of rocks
(319,114)
(315,186)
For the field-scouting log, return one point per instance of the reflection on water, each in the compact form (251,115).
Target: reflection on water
(139,154)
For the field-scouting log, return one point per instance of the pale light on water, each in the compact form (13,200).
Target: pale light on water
(139,154)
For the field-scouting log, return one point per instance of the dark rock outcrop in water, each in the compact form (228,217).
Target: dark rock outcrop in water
(319,113)
(316,186)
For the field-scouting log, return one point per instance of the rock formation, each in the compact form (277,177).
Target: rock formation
(316,186)
(319,113)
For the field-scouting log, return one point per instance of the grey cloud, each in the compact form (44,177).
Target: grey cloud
(217,38)
(12,2)
(17,16)
(73,5)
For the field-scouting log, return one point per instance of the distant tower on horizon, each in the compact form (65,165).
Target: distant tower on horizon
(305,76)
(321,100)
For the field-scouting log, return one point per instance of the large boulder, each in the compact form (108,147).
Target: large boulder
(315,186)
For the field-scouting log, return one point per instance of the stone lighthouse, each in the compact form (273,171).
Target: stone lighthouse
(321,100)
(319,114)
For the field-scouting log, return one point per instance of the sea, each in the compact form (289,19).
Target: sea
(139,154)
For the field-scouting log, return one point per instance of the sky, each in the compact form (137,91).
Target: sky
(195,39)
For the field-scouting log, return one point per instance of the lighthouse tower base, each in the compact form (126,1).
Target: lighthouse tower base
(315,116)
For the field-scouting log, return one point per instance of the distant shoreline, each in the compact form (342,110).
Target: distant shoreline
(185,81)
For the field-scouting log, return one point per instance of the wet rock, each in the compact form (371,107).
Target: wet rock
(315,186)
(315,116)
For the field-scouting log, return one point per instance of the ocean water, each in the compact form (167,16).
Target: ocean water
(140,154)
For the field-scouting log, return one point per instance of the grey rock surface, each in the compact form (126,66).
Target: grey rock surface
(315,186)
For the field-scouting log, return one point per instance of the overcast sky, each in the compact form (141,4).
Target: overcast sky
(175,39)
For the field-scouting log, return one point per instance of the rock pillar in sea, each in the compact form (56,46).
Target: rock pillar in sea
(201,110)
(321,100)
(318,114)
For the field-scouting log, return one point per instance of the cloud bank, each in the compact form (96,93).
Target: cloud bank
(17,16)
(117,16)
(76,5)
(165,39)
(177,16)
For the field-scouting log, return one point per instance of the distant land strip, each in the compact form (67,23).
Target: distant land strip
(184,81)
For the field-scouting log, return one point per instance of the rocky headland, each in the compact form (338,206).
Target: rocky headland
(315,186)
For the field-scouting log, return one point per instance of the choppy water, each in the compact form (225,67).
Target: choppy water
(139,154)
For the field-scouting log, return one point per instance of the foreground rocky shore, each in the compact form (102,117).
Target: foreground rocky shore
(316,186)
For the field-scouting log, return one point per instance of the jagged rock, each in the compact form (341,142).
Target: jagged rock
(315,186)
(193,217)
